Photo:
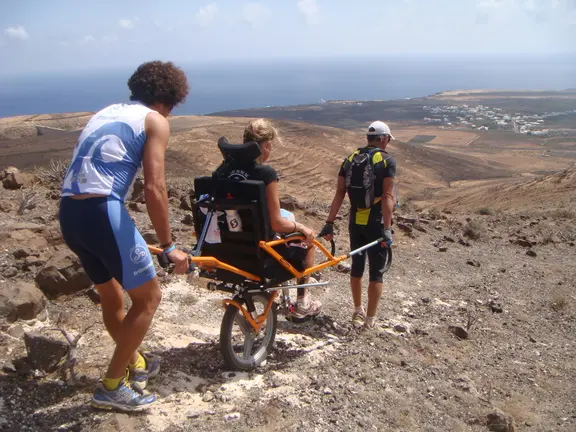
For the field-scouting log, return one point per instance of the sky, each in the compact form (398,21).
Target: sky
(40,36)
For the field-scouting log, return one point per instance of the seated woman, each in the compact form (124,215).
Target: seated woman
(264,133)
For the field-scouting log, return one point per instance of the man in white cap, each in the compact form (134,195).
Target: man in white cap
(367,175)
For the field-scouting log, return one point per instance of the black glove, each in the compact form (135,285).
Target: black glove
(327,229)
(386,234)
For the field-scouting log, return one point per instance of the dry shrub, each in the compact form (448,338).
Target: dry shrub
(562,214)
(434,213)
(485,211)
(53,174)
(28,200)
(559,302)
(473,230)
(408,206)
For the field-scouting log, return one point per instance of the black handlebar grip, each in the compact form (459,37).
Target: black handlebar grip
(332,247)
(163,260)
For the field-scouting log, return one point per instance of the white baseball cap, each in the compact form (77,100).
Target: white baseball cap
(379,128)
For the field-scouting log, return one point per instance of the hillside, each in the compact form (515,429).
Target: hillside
(474,332)
(307,158)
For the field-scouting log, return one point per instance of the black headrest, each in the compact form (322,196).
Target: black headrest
(247,152)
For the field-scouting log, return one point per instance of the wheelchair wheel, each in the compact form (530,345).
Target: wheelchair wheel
(242,348)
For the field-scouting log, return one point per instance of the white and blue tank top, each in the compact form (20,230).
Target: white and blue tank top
(108,155)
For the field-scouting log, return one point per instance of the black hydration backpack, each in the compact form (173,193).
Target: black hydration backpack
(360,178)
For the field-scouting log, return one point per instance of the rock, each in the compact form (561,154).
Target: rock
(232,416)
(288,202)
(343,267)
(18,180)
(459,332)
(22,366)
(30,239)
(53,234)
(43,315)
(327,391)
(138,191)
(137,207)
(426,300)
(495,306)
(497,421)
(44,353)
(463,242)
(8,170)
(449,239)
(150,237)
(62,274)
(208,396)
(10,272)
(93,294)
(8,367)
(400,328)
(405,227)
(531,253)
(443,249)
(185,203)
(188,219)
(523,243)
(421,228)
(473,263)
(16,331)
(22,253)
(117,422)
(21,300)
(34,227)
(33,262)
(6,206)
(531,338)
(438,227)
(174,192)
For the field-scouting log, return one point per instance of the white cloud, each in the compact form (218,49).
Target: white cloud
(16,33)
(206,16)
(87,39)
(127,24)
(310,9)
(256,14)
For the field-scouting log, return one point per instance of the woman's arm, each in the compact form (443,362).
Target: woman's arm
(277,222)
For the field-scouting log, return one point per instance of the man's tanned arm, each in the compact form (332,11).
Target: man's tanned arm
(387,201)
(157,132)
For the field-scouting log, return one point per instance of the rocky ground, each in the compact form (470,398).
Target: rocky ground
(475,332)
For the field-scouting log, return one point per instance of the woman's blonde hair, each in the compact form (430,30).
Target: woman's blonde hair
(260,130)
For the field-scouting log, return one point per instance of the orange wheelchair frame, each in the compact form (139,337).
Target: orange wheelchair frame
(209,263)
(255,288)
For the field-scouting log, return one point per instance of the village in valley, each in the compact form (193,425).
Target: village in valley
(482,117)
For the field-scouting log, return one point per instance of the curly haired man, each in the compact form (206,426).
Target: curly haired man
(118,142)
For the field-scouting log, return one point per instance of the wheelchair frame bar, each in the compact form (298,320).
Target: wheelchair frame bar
(366,246)
(211,262)
(289,287)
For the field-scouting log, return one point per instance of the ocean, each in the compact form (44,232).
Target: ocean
(224,86)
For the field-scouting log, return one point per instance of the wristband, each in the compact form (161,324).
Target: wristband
(170,249)
(329,222)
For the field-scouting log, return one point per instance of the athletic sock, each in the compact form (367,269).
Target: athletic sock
(112,383)
(140,363)
(370,321)
(359,309)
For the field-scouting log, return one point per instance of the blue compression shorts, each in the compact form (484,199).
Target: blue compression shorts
(101,232)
